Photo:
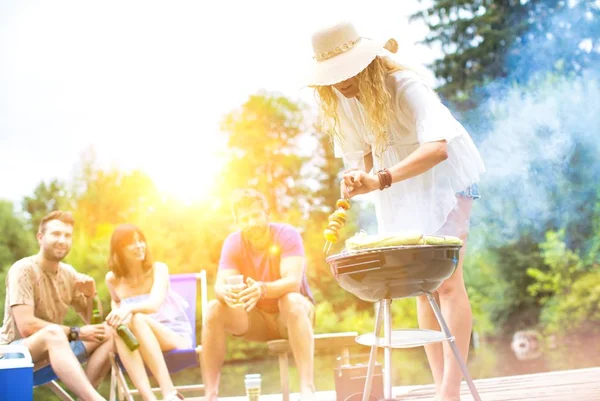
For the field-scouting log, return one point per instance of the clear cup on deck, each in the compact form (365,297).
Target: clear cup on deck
(236,285)
(252,383)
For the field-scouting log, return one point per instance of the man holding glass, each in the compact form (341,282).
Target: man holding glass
(262,292)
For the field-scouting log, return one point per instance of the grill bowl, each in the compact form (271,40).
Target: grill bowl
(394,272)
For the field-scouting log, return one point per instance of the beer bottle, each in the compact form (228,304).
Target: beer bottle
(128,337)
(96,314)
(96,317)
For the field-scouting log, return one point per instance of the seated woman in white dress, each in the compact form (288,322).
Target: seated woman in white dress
(421,158)
(143,299)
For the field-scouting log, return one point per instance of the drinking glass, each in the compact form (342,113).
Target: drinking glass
(236,285)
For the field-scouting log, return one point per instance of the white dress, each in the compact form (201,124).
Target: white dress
(424,202)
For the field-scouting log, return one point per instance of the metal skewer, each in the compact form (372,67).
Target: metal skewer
(328,244)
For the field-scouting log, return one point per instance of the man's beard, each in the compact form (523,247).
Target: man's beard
(50,254)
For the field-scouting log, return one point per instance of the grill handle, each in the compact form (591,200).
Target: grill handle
(361,263)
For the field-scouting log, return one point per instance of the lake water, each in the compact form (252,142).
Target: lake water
(490,359)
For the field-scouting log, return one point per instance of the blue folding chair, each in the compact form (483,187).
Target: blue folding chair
(186,286)
(46,377)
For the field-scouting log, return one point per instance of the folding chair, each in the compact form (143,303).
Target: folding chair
(186,286)
(46,377)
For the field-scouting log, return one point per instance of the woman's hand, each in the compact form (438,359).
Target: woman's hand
(118,316)
(356,182)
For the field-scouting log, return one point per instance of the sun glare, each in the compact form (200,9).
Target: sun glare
(190,181)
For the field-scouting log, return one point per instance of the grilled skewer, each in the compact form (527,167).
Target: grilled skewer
(337,220)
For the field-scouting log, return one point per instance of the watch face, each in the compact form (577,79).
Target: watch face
(74,334)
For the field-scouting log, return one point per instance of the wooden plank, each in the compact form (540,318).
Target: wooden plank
(572,385)
(322,341)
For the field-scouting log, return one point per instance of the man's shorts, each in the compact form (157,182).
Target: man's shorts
(76,346)
(266,326)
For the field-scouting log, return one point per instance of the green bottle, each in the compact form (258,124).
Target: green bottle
(96,314)
(96,317)
(128,337)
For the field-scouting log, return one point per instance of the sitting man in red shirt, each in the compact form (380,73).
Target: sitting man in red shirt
(276,301)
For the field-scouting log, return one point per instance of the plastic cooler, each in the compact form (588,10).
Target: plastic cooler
(16,374)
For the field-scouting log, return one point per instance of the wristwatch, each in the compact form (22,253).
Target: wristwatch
(74,334)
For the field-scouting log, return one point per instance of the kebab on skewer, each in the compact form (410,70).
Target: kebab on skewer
(337,220)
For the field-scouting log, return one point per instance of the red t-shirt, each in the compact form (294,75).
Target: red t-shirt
(264,265)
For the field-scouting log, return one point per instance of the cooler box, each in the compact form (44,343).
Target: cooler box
(16,374)
(350,381)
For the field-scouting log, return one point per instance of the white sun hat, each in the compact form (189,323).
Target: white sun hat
(340,53)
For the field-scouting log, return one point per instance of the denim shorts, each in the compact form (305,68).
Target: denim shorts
(77,347)
(471,192)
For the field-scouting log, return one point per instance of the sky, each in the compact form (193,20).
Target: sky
(146,84)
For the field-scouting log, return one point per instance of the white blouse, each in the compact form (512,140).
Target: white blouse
(423,202)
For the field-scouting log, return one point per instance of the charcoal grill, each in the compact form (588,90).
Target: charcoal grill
(380,275)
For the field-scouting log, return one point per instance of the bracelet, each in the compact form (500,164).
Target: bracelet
(385,179)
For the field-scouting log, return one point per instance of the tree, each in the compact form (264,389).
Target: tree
(46,198)
(485,40)
(110,196)
(263,137)
(566,288)
(16,241)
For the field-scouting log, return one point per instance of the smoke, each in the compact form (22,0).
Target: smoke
(541,156)
(540,135)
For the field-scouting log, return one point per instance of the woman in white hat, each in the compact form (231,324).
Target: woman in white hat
(423,161)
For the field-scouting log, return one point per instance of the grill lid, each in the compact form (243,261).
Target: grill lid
(349,253)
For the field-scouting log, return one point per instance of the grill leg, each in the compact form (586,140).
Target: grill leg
(387,348)
(373,354)
(452,342)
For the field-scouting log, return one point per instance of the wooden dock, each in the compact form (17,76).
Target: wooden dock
(566,385)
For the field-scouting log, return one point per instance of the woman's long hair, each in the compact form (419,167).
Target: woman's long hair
(122,236)
(374,97)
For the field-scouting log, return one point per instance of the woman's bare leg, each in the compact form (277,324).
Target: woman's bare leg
(134,365)
(454,302)
(154,338)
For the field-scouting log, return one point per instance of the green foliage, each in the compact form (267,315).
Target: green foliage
(566,288)
(16,241)
(46,198)
(263,136)
(561,266)
(487,291)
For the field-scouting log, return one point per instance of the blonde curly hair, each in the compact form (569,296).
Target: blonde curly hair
(374,97)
